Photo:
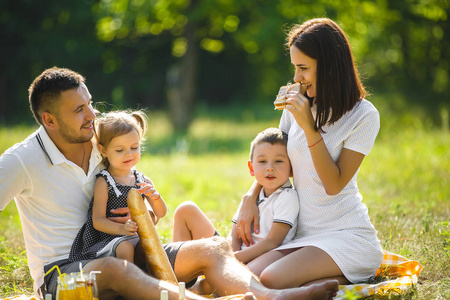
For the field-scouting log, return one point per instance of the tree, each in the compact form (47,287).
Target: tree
(186,23)
(178,53)
(36,35)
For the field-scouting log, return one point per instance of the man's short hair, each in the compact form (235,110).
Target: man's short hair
(47,88)
(270,135)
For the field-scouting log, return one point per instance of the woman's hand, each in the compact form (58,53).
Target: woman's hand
(298,105)
(335,175)
(130,227)
(248,215)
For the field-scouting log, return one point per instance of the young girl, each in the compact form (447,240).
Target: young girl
(327,143)
(119,135)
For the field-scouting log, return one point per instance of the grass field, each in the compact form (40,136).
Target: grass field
(405,182)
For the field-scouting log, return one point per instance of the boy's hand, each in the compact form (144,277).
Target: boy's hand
(149,190)
(130,227)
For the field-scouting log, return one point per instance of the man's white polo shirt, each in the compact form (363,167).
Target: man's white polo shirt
(52,195)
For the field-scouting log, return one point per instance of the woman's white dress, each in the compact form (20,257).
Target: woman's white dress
(337,224)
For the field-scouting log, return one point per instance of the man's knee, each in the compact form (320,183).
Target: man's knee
(218,246)
(208,250)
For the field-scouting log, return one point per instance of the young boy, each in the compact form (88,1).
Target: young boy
(278,202)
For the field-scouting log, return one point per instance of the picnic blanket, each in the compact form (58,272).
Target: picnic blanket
(397,273)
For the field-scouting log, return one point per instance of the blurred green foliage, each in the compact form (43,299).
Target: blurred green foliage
(126,47)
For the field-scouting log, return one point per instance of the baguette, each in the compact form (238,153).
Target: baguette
(155,256)
(280,101)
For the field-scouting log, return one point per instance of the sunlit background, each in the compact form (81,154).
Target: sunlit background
(183,55)
(207,71)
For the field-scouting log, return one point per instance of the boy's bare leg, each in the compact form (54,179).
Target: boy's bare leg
(190,223)
(213,258)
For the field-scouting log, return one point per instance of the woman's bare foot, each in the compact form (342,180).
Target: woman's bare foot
(321,291)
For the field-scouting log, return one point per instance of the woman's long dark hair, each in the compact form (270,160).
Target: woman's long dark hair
(338,87)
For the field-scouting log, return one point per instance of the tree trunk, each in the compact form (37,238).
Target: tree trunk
(181,81)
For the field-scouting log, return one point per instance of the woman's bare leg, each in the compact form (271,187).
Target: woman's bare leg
(263,261)
(190,223)
(299,267)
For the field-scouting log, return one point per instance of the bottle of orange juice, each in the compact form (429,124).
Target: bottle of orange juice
(92,285)
(65,291)
(81,287)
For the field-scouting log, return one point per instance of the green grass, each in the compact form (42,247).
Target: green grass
(405,182)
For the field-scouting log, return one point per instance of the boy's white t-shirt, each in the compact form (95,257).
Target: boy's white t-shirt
(280,207)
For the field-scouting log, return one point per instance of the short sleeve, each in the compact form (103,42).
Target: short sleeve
(236,214)
(286,207)
(140,178)
(285,121)
(14,179)
(364,133)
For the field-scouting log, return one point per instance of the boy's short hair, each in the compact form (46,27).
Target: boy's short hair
(47,88)
(270,135)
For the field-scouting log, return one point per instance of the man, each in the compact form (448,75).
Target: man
(51,176)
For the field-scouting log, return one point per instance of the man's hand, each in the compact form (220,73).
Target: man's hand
(126,210)
(120,211)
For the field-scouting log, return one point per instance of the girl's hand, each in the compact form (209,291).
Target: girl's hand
(130,227)
(154,199)
(149,190)
(298,105)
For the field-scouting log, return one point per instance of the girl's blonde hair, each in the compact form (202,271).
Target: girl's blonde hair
(117,123)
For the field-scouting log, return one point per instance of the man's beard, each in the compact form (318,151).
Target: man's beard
(70,136)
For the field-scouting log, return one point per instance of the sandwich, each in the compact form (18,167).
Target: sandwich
(280,101)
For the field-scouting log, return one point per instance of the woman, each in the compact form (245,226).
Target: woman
(328,140)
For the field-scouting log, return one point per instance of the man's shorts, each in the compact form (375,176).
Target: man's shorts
(65,266)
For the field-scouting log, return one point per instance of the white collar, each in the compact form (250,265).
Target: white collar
(262,196)
(55,156)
